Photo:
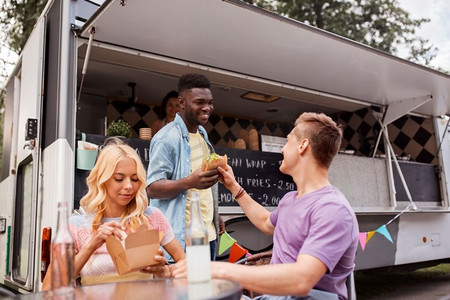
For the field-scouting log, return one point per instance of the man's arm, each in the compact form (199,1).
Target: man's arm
(295,279)
(256,213)
(168,189)
(161,166)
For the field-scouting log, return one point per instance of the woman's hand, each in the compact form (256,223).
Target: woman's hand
(160,270)
(112,228)
(179,270)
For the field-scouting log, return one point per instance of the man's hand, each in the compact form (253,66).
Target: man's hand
(221,225)
(203,180)
(228,180)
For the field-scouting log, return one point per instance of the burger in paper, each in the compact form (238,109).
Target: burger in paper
(213,161)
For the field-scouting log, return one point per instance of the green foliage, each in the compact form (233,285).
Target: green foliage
(119,128)
(380,24)
(2,119)
(17,20)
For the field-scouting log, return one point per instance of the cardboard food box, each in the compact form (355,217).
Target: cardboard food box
(140,249)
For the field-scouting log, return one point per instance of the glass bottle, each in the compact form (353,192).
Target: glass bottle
(63,257)
(197,244)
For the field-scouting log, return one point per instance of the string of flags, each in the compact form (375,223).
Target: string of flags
(364,237)
(236,252)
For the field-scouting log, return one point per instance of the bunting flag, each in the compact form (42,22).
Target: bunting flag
(236,252)
(370,235)
(383,230)
(362,240)
(364,237)
(226,241)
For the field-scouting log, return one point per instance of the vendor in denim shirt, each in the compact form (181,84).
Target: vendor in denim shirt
(176,153)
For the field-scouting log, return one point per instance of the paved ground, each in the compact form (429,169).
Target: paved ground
(439,289)
(436,288)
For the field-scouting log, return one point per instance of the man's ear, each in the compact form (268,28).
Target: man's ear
(181,101)
(303,145)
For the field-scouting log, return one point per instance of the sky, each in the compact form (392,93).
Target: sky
(437,31)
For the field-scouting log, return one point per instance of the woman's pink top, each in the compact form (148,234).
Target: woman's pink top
(100,267)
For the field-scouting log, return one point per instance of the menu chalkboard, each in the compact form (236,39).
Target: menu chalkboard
(258,173)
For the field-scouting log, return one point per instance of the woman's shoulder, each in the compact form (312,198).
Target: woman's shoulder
(155,125)
(156,122)
(78,220)
(155,216)
(151,210)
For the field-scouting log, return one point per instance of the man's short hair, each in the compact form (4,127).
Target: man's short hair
(192,80)
(324,134)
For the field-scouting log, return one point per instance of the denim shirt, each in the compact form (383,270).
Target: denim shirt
(170,158)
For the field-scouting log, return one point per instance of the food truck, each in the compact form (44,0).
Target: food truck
(89,63)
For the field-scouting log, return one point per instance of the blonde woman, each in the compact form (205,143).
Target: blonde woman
(115,203)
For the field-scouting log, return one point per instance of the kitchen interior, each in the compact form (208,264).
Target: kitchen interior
(109,86)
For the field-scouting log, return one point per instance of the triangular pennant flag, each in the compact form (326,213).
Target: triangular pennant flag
(226,241)
(236,252)
(370,235)
(362,240)
(383,230)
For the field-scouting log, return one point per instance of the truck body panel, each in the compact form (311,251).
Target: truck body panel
(242,49)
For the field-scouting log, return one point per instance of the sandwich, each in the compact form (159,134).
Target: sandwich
(213,161)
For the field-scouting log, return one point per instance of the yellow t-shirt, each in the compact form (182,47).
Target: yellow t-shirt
(199,151)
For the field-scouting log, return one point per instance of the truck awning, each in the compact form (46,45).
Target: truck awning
(244,40)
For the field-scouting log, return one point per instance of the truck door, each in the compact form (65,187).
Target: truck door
(26,139)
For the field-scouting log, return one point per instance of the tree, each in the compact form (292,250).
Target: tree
(17,19)
(2,118)
(381,24)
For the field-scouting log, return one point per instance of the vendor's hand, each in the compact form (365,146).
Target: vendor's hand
(112,228)
(159,270)
(204,179)
(221,225)
(179,270)
(228,179)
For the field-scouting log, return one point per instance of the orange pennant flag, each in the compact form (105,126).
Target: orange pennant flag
(236,252)
(370,235)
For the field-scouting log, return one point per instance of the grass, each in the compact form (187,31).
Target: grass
(371,284)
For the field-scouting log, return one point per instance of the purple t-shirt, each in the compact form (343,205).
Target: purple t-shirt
(321,224)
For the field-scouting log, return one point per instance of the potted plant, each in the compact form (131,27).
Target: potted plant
(119,128)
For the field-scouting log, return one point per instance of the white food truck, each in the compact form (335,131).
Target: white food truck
(88,63)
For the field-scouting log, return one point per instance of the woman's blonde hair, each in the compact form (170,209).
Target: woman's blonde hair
(94,201)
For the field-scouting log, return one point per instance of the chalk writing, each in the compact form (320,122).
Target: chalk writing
(258,173)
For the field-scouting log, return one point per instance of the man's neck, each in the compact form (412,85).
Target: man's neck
(311,179)
(192,128)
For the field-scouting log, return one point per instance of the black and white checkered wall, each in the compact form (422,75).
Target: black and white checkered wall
(220,129)
(409,135)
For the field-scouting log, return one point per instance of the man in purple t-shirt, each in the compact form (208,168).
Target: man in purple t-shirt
(315,231)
